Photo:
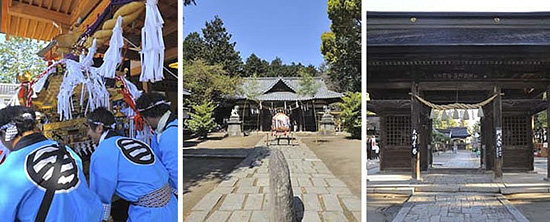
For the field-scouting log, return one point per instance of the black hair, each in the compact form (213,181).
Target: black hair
(101,115)
(147,100)
(19,116)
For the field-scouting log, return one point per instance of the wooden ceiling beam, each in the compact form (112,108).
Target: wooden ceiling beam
(59,5)
(52,32)
(68,10)
(40,26)
(6,18)
(40,14)
(170,27)
(33,34)
(171,53)
(89,17)
(44,36)
(166,9)
(50,5)
(17,26)
(25,28)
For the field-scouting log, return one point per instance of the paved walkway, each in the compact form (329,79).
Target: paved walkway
(460,207)
(462,159)
(244,194)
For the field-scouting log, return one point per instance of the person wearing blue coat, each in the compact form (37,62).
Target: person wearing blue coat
(130,169)
(156,112)
(41,180)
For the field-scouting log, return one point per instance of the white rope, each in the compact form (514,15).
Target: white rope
(456,105)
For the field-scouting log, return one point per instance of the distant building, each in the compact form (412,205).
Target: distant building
(280,93)
(7,92)
(455,132)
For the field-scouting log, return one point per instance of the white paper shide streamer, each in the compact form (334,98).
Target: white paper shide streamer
(152,53)
(72,77)
(98,95)
(113,55)
(92,85)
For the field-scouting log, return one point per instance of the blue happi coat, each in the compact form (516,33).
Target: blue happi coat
(116,167)
(22,189)
(165,146)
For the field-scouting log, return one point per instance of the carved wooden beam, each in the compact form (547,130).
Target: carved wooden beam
(39,13)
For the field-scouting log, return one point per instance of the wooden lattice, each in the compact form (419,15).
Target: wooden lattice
(515,130)
(398,130)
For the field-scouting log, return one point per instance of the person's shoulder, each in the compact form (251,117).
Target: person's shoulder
(171,127)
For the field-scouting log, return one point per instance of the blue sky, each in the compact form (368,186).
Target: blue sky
(288,29)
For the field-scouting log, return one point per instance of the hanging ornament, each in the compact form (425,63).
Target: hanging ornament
(444,115)
(433,114)
(480,112)
(455,114)
(152,52)
(113,54)
(465,115)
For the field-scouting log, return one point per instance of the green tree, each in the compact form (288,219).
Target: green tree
(252,91)
(201,122)
(208,82)
(439,137)
(307,86)
(18,55)
(311,70)
(351,113)
(219,49)
(438,123)
(276,67)
(193,47)
(341,46)
(255,66)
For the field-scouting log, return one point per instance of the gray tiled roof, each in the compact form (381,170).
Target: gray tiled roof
(266,83)
(455,132)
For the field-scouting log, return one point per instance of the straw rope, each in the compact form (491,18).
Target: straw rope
(456,105)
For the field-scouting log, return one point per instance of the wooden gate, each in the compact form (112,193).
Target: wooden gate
(517,142)
(395,152)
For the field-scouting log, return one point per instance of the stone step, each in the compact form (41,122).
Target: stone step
(455,188)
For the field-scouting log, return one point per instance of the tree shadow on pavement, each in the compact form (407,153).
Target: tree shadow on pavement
(202,174)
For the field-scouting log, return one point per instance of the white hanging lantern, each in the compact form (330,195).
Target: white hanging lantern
(444,115)
(455,114)
(480,112)
(433,114)
(465,115)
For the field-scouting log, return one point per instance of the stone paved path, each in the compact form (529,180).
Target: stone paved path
(463,159)
(244,195)
(460,207)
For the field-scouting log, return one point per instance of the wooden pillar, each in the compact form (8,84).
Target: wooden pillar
(497,117)
(531,140)
(382,144)
(424,139)
(429,138)
(415,129)
(260,119)
(548,131)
